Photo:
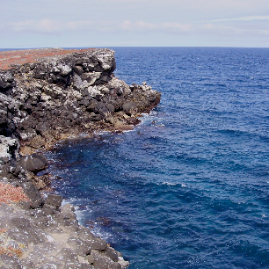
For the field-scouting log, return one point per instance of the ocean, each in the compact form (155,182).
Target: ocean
(189,186)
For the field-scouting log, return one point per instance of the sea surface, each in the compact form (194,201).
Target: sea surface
(189,186)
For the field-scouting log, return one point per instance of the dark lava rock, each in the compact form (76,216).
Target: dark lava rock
(129,107)
(6,80)
(34,163)
(41,103)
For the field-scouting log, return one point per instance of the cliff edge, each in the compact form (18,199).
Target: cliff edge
(45,96)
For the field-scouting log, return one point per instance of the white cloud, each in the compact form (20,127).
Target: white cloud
(194,28)
(51,26)
(141,26)
(247,18)
(226,30)
(138,26)
(233,27)
(177,27)
(43,26)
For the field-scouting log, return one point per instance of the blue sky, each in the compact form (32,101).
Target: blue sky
(108,23)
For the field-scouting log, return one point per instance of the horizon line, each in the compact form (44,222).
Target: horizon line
(96,47)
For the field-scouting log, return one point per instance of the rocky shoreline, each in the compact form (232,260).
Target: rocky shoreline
(43,100)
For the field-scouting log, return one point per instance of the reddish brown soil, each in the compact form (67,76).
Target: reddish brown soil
(9,194)
(9,58)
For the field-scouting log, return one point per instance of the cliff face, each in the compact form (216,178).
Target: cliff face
(56,97)
(43,100)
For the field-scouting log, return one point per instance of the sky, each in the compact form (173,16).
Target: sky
(125,23)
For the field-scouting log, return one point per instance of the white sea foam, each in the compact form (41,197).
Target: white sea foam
(97,231)
(172,184)
(80,213)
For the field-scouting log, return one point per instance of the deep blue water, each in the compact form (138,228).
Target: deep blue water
(189,187)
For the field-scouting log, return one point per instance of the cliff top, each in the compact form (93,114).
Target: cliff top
(14,57)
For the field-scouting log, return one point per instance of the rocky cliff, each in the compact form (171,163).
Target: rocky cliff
(42,100)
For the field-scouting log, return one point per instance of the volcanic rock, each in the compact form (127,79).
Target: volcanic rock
(46,96)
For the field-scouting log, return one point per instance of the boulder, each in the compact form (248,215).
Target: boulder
(34,163)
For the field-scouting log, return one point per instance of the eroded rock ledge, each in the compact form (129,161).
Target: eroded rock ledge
(44,100)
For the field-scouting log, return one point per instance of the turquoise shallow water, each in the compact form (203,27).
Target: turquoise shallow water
(189,187)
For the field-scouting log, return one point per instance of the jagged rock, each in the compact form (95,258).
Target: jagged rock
(91,77)
(6,102)
(64,69)
(62,93)
(95,92)
(119,86)
(6,80)
(106,59)
(55,92)
(7,147)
